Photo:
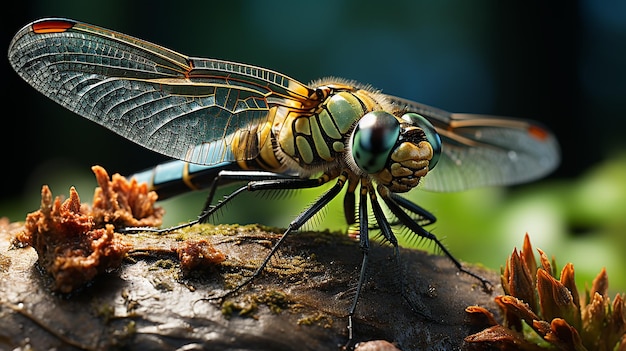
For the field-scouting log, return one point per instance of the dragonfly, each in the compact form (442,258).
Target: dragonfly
(224,122)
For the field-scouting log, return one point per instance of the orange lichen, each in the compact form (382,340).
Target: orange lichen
(123,203)
(197,254)
(68,244)
(75,242)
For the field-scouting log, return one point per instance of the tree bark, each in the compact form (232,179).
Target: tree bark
(299,302)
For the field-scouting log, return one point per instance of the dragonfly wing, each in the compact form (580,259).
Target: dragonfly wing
(480,150)
(186,108)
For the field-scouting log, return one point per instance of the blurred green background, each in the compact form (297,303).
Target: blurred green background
(561,64)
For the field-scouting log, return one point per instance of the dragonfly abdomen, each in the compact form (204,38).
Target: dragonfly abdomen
(178,177)
(249,149)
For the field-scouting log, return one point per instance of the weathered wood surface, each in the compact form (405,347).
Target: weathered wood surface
(300,302)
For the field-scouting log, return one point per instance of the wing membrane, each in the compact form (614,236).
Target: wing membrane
(480,150)
(188,108)
(158,98)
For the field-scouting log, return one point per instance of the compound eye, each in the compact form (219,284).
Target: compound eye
(431,135)
(373,140)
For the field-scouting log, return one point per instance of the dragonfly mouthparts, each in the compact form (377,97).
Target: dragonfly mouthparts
(408,163)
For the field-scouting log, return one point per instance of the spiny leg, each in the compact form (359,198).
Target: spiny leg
(382,222)
(226,176)
(385,228)
(256,181)
(424,217)
(349,203)
(398,207)
(365,247)
(252,177)
(298,222)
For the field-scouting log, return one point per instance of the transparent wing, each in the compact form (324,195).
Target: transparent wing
(167,102)
(480,150)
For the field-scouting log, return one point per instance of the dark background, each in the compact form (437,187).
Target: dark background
(560,63)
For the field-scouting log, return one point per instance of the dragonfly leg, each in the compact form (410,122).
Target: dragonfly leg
(365,247)
(257,181)
(349,203)
(385,228)
(250,177)
(299,221)
(226,176)
(387,233)
(397,205)
(253,179)
(423,216)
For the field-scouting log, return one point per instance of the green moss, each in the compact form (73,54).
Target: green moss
(246,305)
(318,318)
(163,264)
(104,311)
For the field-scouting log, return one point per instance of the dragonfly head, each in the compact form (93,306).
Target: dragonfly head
(396,152)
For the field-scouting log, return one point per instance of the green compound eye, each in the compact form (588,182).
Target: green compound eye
(373,140)
(431,135)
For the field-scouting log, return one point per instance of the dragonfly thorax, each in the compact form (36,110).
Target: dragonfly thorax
(317,139)
(353,129)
